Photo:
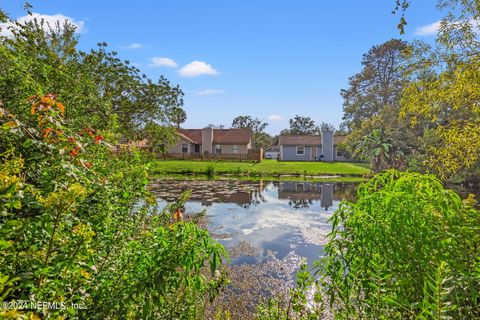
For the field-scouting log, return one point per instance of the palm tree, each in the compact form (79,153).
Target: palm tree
(377,148)
(178,116)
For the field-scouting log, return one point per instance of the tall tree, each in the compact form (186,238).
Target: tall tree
(255,124)
(448,99)
(102,90)
(324,126)
(178,116)
(260,138)
(301,126)
(379,84)
(372,101)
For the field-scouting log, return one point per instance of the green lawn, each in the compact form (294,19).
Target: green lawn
(264,168)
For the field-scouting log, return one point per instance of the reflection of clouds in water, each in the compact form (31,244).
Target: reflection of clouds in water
(274,223)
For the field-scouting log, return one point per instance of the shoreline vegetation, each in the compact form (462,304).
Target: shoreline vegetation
(201,177)
(267,169)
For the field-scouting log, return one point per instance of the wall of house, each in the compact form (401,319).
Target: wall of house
(177,148)
(289,153)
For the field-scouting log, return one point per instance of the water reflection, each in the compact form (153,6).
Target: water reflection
(267,227)
(303,194)
(281,217)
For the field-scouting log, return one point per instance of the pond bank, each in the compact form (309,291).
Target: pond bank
(227,177)
(267,169)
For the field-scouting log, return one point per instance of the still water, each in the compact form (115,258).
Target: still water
(255,220)
(269,228)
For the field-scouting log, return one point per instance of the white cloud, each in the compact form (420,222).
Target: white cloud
(208,92)
(162,62)
(50,22)
(429,29)
(275,118)
(197,68)
(134,46)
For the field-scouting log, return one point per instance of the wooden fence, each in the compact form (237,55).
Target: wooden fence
(252,155)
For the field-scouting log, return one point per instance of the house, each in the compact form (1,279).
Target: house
(302,194)
(311,148)
(272,152)
(211,142)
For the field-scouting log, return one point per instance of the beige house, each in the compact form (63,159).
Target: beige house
(210,142)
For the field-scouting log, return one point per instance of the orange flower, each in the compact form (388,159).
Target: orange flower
(71,140)
(47,132)
(74,151)
(88,131)
(60,107)
(177,215)
(98,139)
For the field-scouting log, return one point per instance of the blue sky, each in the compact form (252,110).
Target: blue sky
(268,59)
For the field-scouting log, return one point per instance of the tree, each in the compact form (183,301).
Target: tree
(380,151)
(301,126)
(379,84)
(372,101)
(260,138)
(255,124)
(324,126)
(101,90)
(215,126)
(447,100)
(178,116)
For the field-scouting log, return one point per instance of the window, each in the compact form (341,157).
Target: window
(234,149)
(300,151)
(197,148)
(218,148)
(340,153)
(184,147)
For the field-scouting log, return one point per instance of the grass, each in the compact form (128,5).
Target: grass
(202,177)
(266,168)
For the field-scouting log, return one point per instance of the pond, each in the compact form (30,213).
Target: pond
(267,227)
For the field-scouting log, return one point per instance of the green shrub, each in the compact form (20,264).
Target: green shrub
(210,171)
(406,249)
(79,227)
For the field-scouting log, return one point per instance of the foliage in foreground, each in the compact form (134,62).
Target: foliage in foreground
(79,230)
(305,301)
(406,249)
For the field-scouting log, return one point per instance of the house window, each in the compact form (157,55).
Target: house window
(234,149)
(184,147)
(218,148)
(300,151)
(340,153)
(197,148)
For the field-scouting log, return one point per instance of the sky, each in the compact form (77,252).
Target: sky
(271,59)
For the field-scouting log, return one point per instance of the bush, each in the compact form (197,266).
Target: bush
(79,228)
(406,249)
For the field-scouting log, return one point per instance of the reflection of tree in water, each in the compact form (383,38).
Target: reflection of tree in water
(345,191)
(300,203)
(257,197)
